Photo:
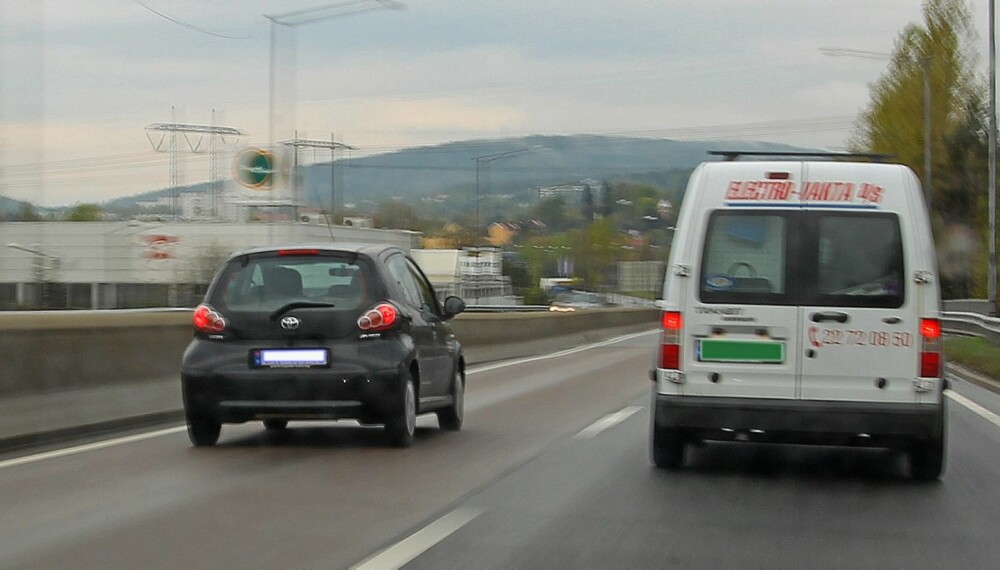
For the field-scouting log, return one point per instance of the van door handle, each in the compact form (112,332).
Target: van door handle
(892,320)
(835,316)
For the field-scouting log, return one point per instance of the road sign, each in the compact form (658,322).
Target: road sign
(254,168)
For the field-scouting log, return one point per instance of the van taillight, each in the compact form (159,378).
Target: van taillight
(930,348)
(670,340)
(381,317)
(207,320)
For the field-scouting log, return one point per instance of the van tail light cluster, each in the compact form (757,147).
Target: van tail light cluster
(930,348)
(381,317)
(207,320)
(670,340)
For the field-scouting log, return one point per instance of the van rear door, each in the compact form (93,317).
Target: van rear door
(742,329)
(858,320)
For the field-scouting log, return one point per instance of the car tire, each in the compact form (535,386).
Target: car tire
(402,425)
(667,447)
(450,418)
(203,431)
(927,460)
(275,425)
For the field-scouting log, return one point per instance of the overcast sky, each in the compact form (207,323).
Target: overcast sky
(80,80)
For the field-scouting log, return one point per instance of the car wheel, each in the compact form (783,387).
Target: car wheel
(927,460)
(275,425)
(667,447)
(450,418)
(203,431)
(401,427)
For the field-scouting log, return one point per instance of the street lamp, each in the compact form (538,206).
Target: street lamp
(488,158)
(992,179)
(294,19)
(925,68)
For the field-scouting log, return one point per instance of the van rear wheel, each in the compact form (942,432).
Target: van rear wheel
(667,447)
(927,460)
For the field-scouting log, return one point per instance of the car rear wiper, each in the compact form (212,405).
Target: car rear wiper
(299,305)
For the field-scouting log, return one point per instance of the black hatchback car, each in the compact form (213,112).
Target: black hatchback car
(322,332)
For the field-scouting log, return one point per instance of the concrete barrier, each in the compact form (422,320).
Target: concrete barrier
(57,350)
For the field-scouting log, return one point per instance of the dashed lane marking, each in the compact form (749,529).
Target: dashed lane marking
(421,541)
(606,422)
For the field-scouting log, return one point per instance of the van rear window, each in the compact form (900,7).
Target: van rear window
(803,258)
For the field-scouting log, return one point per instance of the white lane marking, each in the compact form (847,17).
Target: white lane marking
(421,541)
(606,422)
(974,407)
(506,363)
(89,447)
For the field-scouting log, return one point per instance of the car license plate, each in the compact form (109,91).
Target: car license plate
(290,358)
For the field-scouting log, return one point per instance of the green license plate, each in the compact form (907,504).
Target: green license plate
(757,351)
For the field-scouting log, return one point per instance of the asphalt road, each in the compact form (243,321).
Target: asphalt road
(551,470)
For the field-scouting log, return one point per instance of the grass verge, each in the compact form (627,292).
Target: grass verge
(975,353)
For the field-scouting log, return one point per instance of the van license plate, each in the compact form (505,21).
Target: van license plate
(755,351)
(290,358)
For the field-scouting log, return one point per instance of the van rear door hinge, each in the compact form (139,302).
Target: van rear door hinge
(682,270)
(922,277)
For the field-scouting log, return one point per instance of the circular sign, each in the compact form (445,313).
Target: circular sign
(254,168)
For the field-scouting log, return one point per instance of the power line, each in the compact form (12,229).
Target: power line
(189,26)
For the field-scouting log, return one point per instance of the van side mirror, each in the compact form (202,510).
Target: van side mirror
(452,306)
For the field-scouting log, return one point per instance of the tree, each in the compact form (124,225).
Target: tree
(26,213)
(893,123)
(607,199)
(587,208)
(84,213)
(399,215)
(552,213)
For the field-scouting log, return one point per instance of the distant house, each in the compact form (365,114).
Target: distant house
(500,234)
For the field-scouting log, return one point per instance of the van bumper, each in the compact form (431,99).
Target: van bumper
(796,421)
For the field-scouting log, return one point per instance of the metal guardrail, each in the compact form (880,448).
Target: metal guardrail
(953,322)
(973,324)
(505,308)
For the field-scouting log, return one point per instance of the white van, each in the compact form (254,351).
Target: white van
(801,305)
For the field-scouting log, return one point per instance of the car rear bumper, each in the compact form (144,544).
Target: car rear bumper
(316,395)
(796,421)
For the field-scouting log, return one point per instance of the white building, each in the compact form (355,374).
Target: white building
(131,264)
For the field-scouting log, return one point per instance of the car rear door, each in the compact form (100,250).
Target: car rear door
(424,325)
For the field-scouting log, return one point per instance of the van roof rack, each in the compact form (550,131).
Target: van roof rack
(734,154)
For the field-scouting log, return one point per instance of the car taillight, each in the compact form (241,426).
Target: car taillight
(207,320)
(670,340)
(381,317)
(930,348)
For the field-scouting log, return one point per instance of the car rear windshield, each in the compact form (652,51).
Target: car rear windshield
(267,282)
(852,259)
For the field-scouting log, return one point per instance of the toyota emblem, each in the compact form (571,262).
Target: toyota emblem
(290,323)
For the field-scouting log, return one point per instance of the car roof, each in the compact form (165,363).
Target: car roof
(368,249)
